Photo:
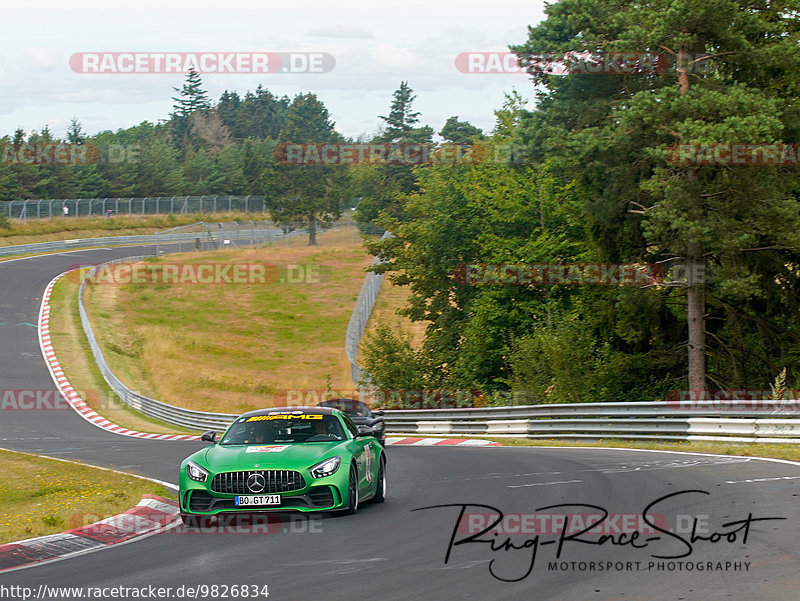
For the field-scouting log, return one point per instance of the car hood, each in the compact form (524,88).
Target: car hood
(276,456)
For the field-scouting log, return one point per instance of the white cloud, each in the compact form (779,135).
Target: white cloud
(340,31)
(375,46)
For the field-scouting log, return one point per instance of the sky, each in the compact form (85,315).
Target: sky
(375,46)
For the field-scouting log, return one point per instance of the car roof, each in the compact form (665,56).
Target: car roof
(342,401)
(290,410)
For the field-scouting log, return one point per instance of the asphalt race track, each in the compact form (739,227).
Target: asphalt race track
(390,552)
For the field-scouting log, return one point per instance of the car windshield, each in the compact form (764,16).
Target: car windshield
(282,428)
(351,407)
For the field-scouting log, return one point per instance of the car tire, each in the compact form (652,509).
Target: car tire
(380,485)
(352,492)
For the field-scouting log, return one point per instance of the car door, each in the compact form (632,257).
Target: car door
(363,453)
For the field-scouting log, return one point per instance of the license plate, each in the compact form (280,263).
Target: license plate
(253,500)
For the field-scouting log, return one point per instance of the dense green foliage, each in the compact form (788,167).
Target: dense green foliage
(600,186)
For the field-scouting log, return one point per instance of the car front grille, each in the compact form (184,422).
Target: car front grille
(277,481)
(200,501)
(321,496)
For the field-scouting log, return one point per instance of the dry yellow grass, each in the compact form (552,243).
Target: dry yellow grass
(235,347)
(390,300)
(40,496)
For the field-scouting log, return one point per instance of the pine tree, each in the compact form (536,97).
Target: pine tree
(75,134)
(401,119)
(192,98)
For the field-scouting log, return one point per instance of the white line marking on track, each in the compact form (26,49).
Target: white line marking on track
(775,479)
(543,483)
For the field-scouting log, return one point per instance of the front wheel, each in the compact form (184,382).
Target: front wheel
(352,492)
(380,485)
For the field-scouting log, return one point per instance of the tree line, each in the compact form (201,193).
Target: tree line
(597,183)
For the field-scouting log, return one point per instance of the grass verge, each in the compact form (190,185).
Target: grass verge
(42,496)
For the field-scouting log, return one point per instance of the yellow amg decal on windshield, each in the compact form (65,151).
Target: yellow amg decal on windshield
(261,418)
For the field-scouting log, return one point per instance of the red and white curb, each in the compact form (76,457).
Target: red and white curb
(68,392)
(150,516)
(443,442)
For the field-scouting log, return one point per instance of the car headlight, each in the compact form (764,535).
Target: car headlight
(378,427)
(195,472)
(326,468)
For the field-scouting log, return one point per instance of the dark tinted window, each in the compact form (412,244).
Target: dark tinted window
(283,429)
(350,425)
(352,407)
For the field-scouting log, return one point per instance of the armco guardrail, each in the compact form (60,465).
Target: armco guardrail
(365,302)
(204,238)
(703,420)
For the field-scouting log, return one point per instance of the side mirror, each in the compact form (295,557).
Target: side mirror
(365,431)
(209,436)
(378,413)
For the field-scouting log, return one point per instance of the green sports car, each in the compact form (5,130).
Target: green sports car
(292,458)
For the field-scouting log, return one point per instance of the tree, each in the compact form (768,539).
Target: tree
(615,130)
(460,132)
(208,127)
(380,186)
(75,133)
(401,118)
(305,194)
(192,98)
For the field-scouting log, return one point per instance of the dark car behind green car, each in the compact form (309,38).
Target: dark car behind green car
(290,458)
